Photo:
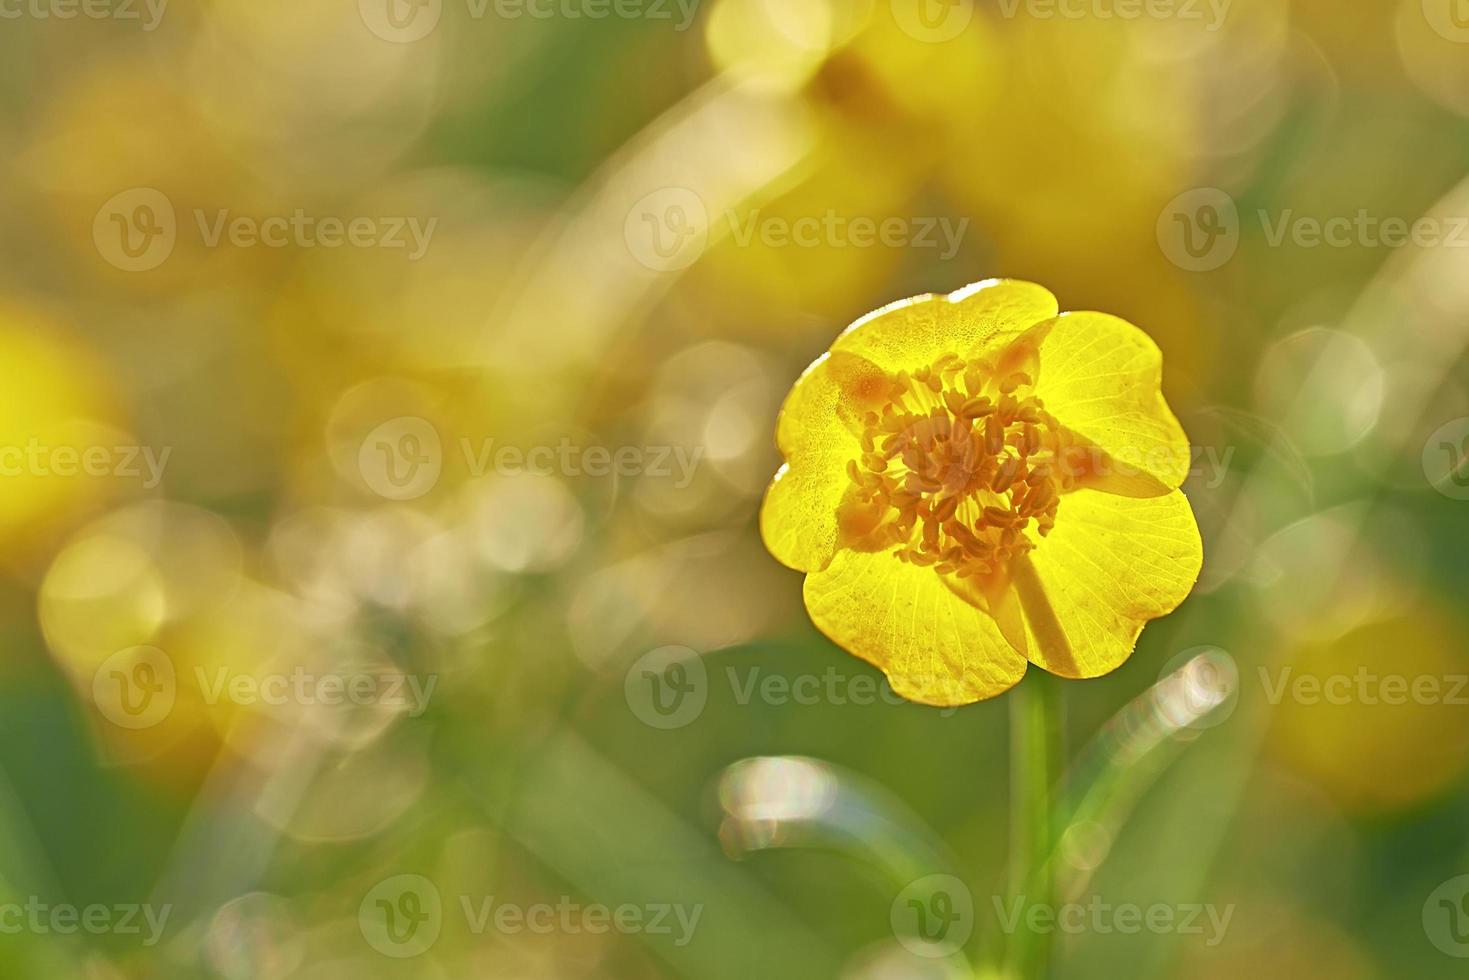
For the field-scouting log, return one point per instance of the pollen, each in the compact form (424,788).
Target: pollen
(960,467)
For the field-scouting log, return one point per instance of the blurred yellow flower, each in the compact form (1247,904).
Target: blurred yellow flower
(1376,716)
(58,399)
(973,482)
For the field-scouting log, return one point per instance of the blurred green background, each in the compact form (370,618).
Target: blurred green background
(431,349)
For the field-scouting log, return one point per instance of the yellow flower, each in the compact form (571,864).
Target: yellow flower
(974,483)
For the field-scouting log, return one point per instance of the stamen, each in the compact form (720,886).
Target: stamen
(960,467)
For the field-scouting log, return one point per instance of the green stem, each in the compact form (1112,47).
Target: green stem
(1036,753)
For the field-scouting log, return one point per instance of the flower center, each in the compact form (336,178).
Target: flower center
(956,467)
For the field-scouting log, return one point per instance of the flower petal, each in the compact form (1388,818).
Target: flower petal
(817,433)
(915,332)
(798,520)
(1101,377)
(934,647)
(1109,566)
(824,410)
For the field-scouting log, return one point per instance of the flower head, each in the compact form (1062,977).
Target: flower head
(974,483)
